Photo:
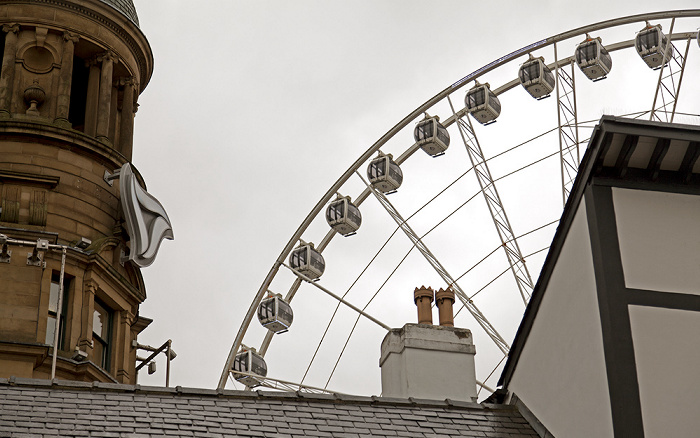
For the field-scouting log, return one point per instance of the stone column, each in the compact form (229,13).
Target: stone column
(114,114)
(65,80)
(122,346)
(93,91)
(126,131)
(104,102)
(7,72)
(88,308)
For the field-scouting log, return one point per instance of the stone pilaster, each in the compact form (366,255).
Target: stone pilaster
(88,308)
(65,79)
(93,92)
(122,346)
(126,131)
(7,71)
(104,102)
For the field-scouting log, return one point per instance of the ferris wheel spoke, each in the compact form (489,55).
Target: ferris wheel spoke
(496,277)
(338,298)
(269,335)
(482,385)
(498,213)
(337,307)
(435,263)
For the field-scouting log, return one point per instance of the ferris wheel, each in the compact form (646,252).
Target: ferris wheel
(417,208)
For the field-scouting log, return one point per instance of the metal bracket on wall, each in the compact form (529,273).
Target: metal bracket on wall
(110,177)
(36,257)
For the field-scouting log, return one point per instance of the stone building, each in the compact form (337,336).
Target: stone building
(72,71)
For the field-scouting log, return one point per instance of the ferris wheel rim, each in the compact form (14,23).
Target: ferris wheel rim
(454,87)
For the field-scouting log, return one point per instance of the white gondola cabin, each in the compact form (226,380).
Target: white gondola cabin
(431,136)
(483,104)
(384,174)
(249,361)
(275,314)
(343,216)
(536,78)
(307,261)
(651,44)
(593,59)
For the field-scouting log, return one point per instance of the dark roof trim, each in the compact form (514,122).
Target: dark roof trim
(592,164)
(125,7)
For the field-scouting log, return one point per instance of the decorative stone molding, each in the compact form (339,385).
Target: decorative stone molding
(41,33)
(67,36)
(90,287)
(34,96)
(107,56)
(127,317)
(131,80)
(144,59)
(10,28)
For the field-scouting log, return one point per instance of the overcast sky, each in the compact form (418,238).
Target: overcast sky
(255,108)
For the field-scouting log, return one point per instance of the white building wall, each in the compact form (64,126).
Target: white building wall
(659,240)
(561,374)
(667,356)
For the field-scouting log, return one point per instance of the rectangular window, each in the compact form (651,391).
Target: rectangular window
(101,334)
(53,310)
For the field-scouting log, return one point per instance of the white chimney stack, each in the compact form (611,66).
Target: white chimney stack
(428,361)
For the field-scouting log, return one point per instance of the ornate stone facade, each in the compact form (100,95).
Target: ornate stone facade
(70,76)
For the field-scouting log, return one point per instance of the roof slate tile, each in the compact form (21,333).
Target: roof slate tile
(29,406)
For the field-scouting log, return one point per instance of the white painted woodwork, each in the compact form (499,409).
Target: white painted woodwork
(659,239)
(667,357)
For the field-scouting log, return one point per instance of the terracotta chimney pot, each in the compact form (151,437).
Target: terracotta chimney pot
(444,299)
(423,297)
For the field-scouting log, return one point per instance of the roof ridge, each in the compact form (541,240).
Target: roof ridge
(70,385)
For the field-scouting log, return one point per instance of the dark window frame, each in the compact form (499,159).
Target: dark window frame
(52,314)
(104,361)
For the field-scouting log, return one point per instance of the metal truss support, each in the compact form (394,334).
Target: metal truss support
(435,263)
(283,385)
(568,127)
(498,213)
(669,84)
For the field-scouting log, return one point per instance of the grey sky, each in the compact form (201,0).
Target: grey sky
(254,110)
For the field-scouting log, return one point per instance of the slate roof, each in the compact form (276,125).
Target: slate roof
(33,407)
(126,7)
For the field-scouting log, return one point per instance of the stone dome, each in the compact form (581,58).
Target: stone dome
(126,7)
